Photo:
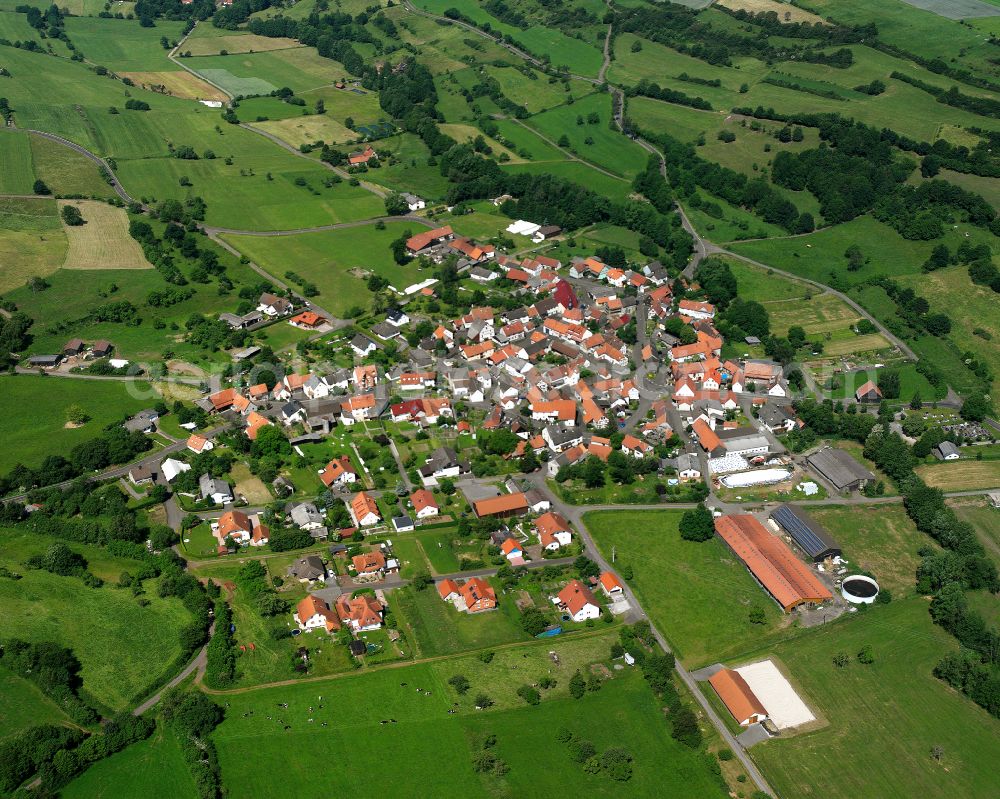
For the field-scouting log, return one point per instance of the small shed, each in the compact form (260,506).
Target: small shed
(357,648)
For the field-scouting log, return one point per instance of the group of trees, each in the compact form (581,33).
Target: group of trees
(960,564)
(193,716)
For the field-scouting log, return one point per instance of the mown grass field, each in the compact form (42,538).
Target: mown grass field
(298,68)
(32,241)
(207,40)
(290,763)
(104,241)
(154,768)
(327,259)
(33,424)
(961,475)
(123,647)
(677,581)
(65,171)
(24,705)
(924,713)
(125,45)
(17,175)
(177,83)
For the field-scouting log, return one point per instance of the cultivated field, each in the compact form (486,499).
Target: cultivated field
(31,241)
(825,318)
(676,580)
(177,83)
(123,647)
(104,241)
(961,475)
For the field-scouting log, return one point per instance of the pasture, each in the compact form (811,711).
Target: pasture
(24,705)
(764,285)
(31,241)
(154,768)
(578,172)
(123,647)
(961,475)
(104,241)
(291,762)
(925,713)
(33,424)
(335,260)
(675,580)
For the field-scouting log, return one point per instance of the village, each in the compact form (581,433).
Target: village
(573,387)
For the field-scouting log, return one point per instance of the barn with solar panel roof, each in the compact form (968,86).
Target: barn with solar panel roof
(806,532)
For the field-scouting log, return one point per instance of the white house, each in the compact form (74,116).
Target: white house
(413,202)
(170,468)
(578,601)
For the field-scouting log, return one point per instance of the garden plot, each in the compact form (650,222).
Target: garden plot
(783,705)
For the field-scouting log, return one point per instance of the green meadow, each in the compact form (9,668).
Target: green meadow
(33,425)
(330,260)
(606,148)
(24,706)
(676,580)
(424,728)
(123,646)
(896,702)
